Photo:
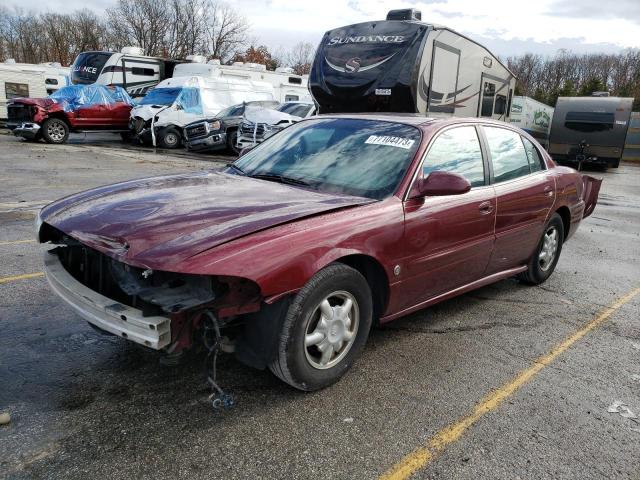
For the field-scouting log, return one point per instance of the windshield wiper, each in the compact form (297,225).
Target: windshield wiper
(273,177)
(236,168)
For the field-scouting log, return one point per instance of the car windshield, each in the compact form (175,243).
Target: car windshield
(366,158)
(161,96)
(296,109)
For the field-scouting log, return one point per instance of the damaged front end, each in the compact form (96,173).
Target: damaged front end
(158,309)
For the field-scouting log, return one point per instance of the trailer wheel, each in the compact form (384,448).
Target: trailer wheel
(170,138)
(55,130)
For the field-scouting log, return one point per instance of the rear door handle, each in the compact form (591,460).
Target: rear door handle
(485,208)
(548,190)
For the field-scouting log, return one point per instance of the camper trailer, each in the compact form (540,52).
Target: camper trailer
(533,117)
(406,65)
(590,130)
(129,69)
(20,80)
(287,86)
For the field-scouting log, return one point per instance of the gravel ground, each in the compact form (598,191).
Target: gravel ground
(84,405)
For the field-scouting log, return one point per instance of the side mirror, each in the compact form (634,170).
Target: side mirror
(443,183)
(178,106)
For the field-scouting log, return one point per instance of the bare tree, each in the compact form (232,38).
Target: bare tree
(143,23)
(300,57)
(226,30)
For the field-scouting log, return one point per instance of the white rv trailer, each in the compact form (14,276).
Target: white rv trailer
(405,65)
(533,117)
(29,80)
(129,69)
(288,87)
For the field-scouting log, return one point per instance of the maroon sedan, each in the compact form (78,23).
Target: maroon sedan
(297,248)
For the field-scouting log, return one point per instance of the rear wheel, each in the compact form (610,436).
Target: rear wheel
(544,260)
(55,130)
(169,138)
(325,329)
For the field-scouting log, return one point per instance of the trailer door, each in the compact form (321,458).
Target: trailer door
(494,97)
(443,84)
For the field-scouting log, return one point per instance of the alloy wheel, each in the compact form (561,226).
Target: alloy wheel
(549,248)
(331,330)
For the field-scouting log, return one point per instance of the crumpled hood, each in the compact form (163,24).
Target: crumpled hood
(158,222)
(147,112)
(268,116)
(41,102)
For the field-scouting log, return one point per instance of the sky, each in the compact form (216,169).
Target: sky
(507,27)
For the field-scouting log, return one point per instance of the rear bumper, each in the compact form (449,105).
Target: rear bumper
(104,313)
(26,130)
(213,141)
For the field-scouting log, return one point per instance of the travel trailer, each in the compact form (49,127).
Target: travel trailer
(533,117)
(590,130)
(129,69)
(405,65)
(21,80)
(159,118)
(287,86)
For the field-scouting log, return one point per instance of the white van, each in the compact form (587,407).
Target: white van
(20,80)
(160,116)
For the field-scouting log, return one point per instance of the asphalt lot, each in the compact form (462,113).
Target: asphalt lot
(88,406)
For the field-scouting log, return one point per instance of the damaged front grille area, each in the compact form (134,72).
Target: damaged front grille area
(152,292)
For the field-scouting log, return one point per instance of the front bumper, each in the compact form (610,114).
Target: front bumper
(106,314)
(213,141)
(26,130)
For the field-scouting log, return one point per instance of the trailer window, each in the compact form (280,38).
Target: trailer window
(508,155)
(488,94)
(589,121)
(501,105)
(145,72)
(295,80)
(16,90)
(456,150)
(51,81)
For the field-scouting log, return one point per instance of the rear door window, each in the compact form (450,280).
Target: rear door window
(508,155)
(456,150)
(533,155)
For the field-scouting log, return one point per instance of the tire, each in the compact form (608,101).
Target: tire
(169,138)
(232,137)
(126,137)
(55,130)
(615,164)
(540,265)
(304,367)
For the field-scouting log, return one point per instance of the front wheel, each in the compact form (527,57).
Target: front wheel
(544,260)
(169,138)
(232,138)
(55,130)
(325,329)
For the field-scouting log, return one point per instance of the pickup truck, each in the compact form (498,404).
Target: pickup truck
(75,108)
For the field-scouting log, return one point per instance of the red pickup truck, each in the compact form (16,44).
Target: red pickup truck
(76,108)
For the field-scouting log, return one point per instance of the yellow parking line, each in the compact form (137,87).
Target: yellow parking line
(422,456)
(15,242)
(24,276)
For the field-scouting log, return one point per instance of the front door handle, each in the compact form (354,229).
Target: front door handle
(485,208)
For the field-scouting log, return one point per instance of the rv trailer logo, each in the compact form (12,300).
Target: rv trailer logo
(366,39)
(352,65)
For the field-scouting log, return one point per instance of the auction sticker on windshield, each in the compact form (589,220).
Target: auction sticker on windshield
(399,142)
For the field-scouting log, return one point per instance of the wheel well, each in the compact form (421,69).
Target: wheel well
(565,214)
(59,116)
(376,277)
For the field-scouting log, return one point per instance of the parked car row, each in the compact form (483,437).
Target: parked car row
(179,111)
